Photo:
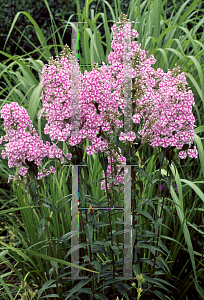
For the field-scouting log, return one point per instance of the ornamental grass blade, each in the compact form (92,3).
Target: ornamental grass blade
(199,146)
(34,101)
(10,210)
(55,259)
(37,30)
(6,288)
(181,213)
(29,75)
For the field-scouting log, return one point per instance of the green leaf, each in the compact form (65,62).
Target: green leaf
(41,228)
(158,223)
(136,269)
(82,192)
(161,158)
(104,162)
(41,184)
(100,296)
(89,232)
(116,250)
(140,184)
(37,30)
(34,101)
(45,286)
(100,179)
(74,248)
(160,295)
(52,207)
(122,287)
(97,265)
(153,249)
(50,296)
(11,210)
(180,212)
(6,288)
(101,224)
(156,282)
(145,214)
(54,264)
(77,287)
(33,187)
(49,258)
(163,262)
(143,173)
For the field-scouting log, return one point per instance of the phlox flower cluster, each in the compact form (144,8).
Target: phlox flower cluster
(23,142)
(99,99)
(164,105)
(170,121)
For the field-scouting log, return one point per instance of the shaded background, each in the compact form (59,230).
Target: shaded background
(61,10)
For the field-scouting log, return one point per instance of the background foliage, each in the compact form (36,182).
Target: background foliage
(61,10)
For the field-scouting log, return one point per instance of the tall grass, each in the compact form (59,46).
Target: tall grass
(167,233)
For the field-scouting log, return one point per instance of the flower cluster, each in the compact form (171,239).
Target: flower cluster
(99,98)
(161,105)
(169,122)
(24,144)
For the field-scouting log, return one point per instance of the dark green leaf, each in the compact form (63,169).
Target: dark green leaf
(145,214)
(89,232)
(104,162)
(158,223)
(161,158)
(49,220)
(116,251)
(122,288)
(77,287)
(82,192)
(41,228)
(143,173)
(99,296)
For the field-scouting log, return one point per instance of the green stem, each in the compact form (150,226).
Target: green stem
(110,227)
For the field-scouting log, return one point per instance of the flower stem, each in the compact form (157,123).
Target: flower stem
(110,227)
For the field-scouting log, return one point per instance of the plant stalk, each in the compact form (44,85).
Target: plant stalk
(110,227)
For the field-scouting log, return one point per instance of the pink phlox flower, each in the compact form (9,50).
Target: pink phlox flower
(23,171)
(193,152)
(182,154)
(131,136)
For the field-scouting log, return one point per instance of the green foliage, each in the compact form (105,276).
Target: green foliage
(61,9)
(167,233)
